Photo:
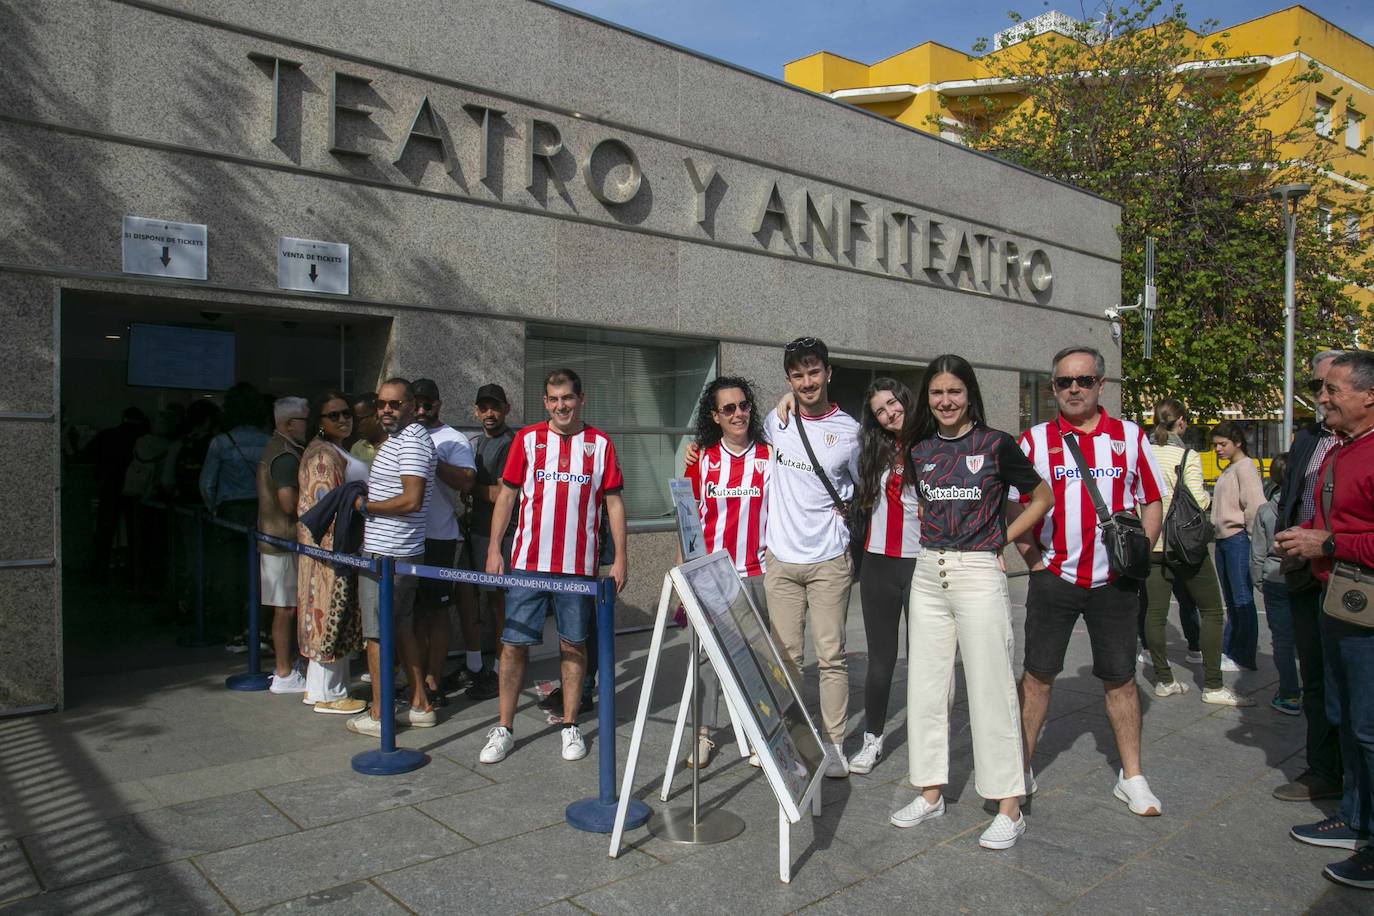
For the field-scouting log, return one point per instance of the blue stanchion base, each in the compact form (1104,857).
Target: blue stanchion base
(389,763)
(247,681)
(591,815)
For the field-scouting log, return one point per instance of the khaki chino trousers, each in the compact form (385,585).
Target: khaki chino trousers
(959,600)
(817,594)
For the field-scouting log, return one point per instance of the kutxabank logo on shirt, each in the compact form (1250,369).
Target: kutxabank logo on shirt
(945,493)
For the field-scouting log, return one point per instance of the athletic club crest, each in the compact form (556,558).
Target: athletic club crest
(1118,447)
(831,439)
(974,462)
(760,465)
(589,449)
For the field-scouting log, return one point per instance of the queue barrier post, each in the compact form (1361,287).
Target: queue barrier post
(388,760)
(253,678)
(598,814)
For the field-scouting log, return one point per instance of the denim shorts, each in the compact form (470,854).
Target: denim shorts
(528,608)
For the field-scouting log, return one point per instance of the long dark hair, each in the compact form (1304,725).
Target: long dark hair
(313,426)
(921,423)
(878,448)
(708,430)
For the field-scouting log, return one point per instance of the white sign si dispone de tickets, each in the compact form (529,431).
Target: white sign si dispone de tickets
(313,266)
(160,248)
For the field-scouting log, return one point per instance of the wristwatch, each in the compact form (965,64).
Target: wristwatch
(1329,546)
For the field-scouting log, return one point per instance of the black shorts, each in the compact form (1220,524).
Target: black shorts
(1053,607)
(437,594)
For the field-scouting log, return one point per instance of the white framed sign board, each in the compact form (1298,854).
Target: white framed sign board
(755,681)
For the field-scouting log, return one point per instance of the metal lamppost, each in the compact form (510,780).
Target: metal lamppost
(1287,196)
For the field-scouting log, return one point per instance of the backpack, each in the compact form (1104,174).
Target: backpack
(1187,529)
(143,477)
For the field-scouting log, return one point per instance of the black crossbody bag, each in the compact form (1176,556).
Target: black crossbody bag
(855,520)
(1128,547)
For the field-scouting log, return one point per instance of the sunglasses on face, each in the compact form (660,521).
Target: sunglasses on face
(1065,382)
(728,410)
(388,405)
(426,405)
(336,416)
(1315,385)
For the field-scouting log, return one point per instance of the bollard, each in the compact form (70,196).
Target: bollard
(388,760)
(597,815)
(253,678)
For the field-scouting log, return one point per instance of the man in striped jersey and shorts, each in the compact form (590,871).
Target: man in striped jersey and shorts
(562,470)
(1067,558)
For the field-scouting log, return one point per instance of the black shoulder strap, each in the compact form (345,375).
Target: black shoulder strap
(1071,443)
(1178,481)
(1328,487)
(811,453)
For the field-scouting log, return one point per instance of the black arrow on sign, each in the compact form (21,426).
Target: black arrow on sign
(313,273)
(166,258)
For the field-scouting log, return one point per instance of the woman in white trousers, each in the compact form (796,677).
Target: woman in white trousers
(959,598)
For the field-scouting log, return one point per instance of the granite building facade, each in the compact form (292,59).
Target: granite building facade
(518,186)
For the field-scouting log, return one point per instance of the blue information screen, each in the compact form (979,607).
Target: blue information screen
(166,356)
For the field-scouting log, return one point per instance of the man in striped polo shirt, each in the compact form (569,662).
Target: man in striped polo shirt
(1068,560)
(399,487)
(562,470)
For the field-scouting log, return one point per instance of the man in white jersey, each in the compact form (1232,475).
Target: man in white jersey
(808,569)
(454,476)
(399,487)
(562,470)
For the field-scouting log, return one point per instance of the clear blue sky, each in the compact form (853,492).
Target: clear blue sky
(763,35)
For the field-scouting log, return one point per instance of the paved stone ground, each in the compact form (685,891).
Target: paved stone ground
(161,792)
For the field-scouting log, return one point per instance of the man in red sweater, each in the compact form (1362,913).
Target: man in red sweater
(1345,533)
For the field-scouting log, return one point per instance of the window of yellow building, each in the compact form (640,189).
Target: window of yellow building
(1352,229)
(1324,219)
(1324,106)
(1354,129)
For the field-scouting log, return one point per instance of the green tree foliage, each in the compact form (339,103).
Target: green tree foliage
(1187,153)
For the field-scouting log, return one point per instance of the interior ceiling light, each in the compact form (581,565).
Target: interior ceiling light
(112,337)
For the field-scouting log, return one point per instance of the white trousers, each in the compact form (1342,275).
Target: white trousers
(326,681)
(960,600)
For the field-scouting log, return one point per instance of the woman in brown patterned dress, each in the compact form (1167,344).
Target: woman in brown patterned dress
(328,625)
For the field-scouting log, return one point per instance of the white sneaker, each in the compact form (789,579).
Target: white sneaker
(1171,689)
(574,748)
(868,756)
(417,718)
(836,766)
(916,812)
(754,760)
(1003,832)
(1225,696)
(500,742)
(1142,657)
(1194,658)
(1135,792)
(1228,665)
(1031,787)
(700,753)
(292,683)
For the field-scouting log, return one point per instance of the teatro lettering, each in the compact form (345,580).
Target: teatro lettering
(376,128)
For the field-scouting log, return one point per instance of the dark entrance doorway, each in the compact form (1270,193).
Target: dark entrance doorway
(126,555)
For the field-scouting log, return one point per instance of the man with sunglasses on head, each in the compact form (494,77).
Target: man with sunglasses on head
(808,569)
(400,485)
(455,473)
(1070,575)
(1297,505)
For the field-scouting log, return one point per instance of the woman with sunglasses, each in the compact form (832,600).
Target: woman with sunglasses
(328,625)
(893,539)
(959,597)
(729,466)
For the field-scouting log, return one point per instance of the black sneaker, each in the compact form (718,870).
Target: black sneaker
(1356,871)
(485,686)
(1333,832)
(554,701)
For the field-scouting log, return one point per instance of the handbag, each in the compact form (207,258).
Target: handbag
(1123,534)
(1350,587)
(855,520)
(1187,529)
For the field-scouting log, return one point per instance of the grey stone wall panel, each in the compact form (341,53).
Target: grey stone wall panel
(30,653)
(27,351)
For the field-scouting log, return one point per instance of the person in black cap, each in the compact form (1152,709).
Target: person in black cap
(490,407)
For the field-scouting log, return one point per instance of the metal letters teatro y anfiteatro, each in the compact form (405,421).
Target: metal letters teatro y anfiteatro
(854,232)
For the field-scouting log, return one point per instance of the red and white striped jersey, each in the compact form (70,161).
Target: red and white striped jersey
(894,529)
(731,493)
(563,480)
(1124,471)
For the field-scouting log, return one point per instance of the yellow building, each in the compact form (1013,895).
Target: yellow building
(934,88)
